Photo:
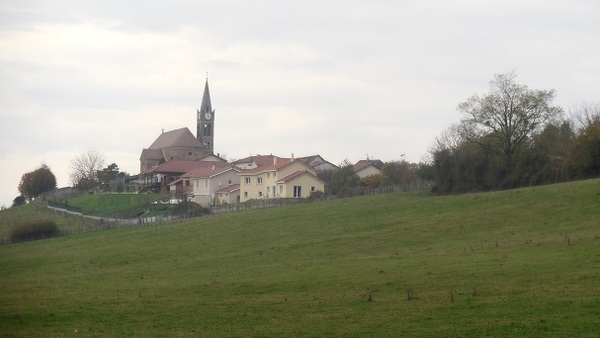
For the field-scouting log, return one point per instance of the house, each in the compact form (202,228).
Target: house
(282,178)
(364,168)
(228,195)
(201,184)
(318,163)
(172,170)
(254,161)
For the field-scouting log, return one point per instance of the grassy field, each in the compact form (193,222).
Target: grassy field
(514,263)
(104,205)
(119,205)
(34,211)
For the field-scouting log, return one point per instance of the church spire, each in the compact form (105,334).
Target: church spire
(205,121)
(206,106)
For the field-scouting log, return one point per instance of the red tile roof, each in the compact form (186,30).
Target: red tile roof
(211,170)
(281,162)
(259,160)
(181,166)
(360,165)
(296,174)
(229,189)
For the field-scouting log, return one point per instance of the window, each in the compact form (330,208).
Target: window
(312,189)
(206,183)
(259,180)
(297,191)
(245,194)
(207,129)
(281,189)
(197,183)
(260,194)
(247,180)
(274,175)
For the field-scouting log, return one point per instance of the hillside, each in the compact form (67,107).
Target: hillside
(512,263)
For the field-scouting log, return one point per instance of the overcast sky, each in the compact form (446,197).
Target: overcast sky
(342,79)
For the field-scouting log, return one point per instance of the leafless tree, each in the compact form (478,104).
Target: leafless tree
(84,169)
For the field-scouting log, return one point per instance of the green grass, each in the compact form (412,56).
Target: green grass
(514,263)
(119,205)
(36,211)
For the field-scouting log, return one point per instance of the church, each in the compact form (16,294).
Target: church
(187,166)
(181,144)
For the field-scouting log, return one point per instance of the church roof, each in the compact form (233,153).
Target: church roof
(152,154)
(182,137)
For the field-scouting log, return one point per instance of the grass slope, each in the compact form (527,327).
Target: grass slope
(515,263)
(120,205)
(35,211)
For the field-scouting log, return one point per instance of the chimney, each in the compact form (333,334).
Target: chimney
(292,156)
(274,159)
(213,167)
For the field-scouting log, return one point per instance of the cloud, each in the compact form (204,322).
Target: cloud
(339,78)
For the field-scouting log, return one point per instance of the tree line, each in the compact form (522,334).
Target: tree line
(87,173)
(513,136)
(509,137)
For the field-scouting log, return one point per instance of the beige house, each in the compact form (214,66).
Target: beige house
(283,178)
(228,195)
(255,161)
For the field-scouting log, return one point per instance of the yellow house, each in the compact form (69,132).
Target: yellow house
(284,178)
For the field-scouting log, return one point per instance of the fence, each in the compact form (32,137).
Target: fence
(419,185)
(95,223)
(101,223)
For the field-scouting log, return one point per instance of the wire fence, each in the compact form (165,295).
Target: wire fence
(88,223)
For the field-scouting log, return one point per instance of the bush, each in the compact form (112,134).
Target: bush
(32,230)
(189,209)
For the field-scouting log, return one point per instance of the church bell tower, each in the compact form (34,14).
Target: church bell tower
(206,122)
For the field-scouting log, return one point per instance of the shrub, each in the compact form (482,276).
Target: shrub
(189,209)
(32,230)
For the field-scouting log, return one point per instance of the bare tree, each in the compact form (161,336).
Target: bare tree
(509,113)
(85,168)
(585,115)
(584,155)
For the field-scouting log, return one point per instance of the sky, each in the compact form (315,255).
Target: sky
(344,79)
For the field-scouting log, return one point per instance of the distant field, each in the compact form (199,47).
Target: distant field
(118,205)
(514,263)
(104,205)
(38,210)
